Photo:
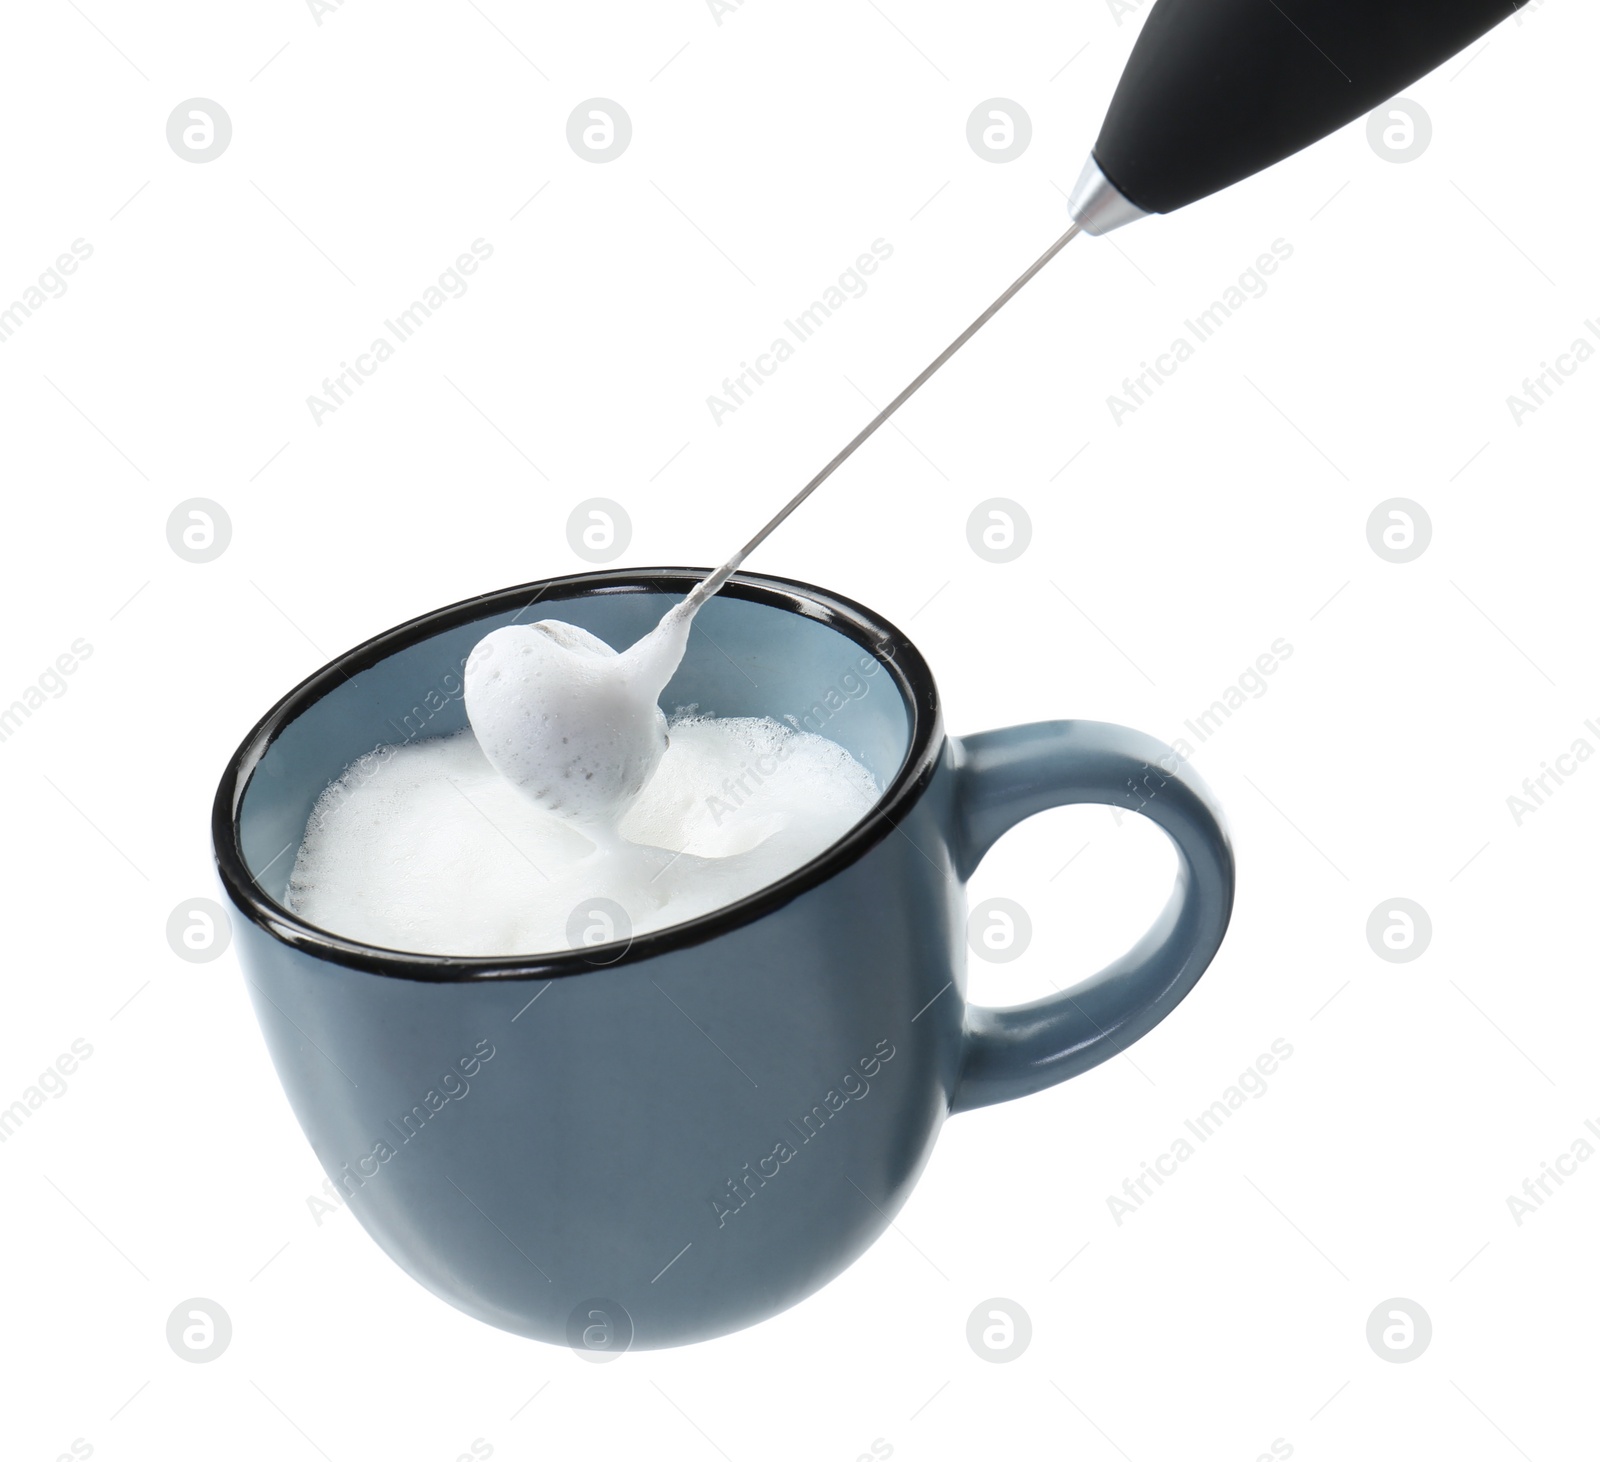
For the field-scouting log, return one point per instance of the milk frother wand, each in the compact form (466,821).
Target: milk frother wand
(1215,91)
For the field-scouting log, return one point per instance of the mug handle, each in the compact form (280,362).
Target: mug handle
(1006,776)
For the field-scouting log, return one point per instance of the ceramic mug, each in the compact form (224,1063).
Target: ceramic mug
(649,1141)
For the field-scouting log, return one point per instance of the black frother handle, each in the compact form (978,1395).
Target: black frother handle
(1218,89)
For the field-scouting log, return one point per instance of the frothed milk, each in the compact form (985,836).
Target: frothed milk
(568,720)
(427,847)
(568,787)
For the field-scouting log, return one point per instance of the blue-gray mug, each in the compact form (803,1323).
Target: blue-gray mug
(651,1141)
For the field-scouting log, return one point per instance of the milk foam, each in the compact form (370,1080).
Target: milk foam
(570,721)
(428,847)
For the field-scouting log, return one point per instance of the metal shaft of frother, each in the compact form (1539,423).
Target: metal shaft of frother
(718,577)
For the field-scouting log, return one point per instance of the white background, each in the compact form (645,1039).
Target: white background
(769,151)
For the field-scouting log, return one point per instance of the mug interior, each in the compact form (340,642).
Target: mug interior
(759,648)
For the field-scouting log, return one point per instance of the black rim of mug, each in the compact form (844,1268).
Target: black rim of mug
(876,636)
